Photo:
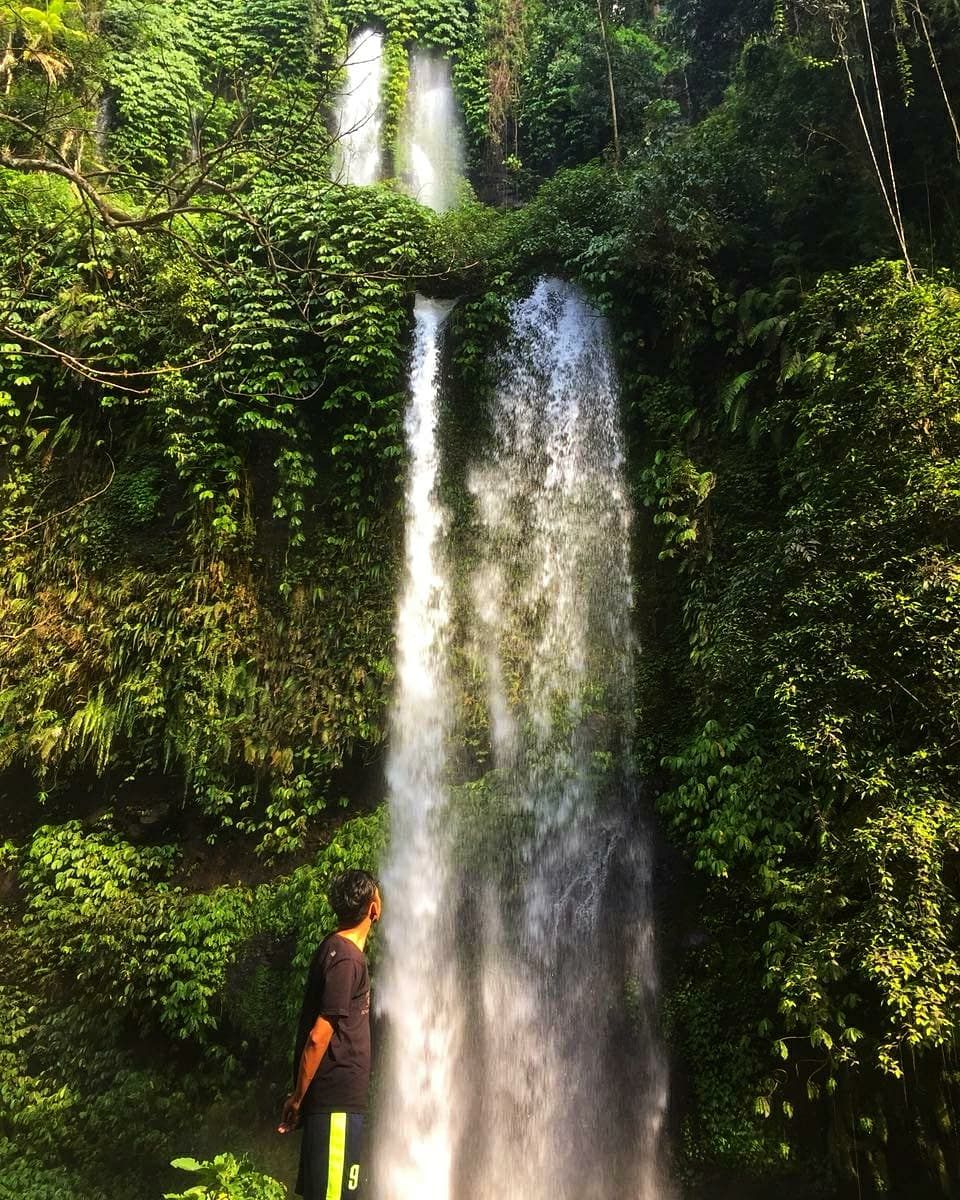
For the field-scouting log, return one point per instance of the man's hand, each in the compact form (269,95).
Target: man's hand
(311,1057)
(290,1115)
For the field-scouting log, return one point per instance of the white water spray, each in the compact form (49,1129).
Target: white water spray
(358,112)
(420,998)
(568,964)
(430,153)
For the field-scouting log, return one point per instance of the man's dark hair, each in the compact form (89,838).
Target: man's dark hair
(350,895)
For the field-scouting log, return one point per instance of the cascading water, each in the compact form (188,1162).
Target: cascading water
(573,1078)
(358,113)
(430,154)
(419,995)
(520,980)
(101,123)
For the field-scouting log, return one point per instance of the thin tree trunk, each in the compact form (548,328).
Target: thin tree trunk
(943,87)
(886,140)
(613,94)
(892,208)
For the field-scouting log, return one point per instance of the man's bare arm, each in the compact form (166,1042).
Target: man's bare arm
(313,1051)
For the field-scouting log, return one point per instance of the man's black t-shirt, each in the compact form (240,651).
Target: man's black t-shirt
(338,988)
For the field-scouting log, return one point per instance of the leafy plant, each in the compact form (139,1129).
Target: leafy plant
(226,1178)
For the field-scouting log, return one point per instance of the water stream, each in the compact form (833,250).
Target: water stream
(574,1078)
(430,153)
(419,991)
(358,112)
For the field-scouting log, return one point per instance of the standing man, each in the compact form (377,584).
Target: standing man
(332,1056)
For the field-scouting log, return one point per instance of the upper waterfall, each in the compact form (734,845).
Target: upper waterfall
(430,153)
(358,112)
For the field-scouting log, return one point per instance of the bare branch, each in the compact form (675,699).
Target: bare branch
(840,37)
(109,378)
(112,217)
(925,26)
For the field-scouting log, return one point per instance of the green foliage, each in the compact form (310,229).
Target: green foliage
(824,804)
(155,82)
(182,79)
(716,1037)
(471,239)
(41,40)
(226,1178)
(397,66)
(102,912)
(24,1177)
(299,901)
(564,107)
(674,484)
(732,806)
(176,685)
(441,23)
(570,225)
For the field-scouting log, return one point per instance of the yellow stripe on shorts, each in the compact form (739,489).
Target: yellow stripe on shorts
(338,1155)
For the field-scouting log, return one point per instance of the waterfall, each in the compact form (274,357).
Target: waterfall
(418,992)
(430,153)
(574,1079)
(358,117)
(102,121)
(521,978)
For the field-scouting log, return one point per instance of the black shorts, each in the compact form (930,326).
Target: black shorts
(332,1160)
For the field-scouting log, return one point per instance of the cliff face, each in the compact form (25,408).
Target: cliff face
(205,343)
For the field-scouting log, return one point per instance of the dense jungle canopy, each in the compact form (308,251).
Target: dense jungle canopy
(203,355)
